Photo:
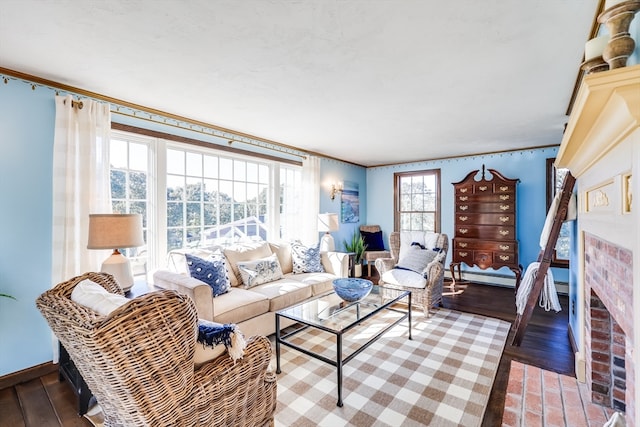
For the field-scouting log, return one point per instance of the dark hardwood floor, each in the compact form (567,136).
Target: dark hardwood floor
(45,401)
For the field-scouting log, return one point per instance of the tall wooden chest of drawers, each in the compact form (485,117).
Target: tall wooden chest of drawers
(485,223)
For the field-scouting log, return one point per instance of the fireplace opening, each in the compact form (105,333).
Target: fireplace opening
(608,375)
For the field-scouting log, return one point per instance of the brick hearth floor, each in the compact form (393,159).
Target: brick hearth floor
(536,397)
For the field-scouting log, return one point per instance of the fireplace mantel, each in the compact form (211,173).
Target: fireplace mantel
(601,148)
(606,111)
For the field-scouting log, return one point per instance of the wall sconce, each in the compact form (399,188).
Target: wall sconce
(336,188)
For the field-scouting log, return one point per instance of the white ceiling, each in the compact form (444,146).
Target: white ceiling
(368,81)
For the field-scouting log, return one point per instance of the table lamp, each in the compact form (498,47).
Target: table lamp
(116,231)
(328,222)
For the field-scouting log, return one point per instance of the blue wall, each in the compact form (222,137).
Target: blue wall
(335,171)
(26,157)
(529,166)
(26,150)
(26,153)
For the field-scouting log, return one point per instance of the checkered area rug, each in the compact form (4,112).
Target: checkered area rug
(443,377)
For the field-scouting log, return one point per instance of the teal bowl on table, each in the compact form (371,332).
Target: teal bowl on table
(352,289)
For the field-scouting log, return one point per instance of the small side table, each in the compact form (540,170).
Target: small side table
(68,371)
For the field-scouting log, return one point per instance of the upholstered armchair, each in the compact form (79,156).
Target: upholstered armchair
(372,235)
(425,281)
(138,361)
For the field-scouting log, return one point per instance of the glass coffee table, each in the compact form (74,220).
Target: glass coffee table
(332,314)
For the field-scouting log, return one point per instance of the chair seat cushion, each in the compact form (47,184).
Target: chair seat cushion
(405,278)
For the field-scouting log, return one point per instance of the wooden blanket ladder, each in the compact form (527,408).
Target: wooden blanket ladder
(545,256)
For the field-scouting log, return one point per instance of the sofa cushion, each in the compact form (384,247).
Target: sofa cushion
(212,271)
(239,304)
(306,259)
(321,283)
(257,272)
(404,278)
(283,251)
(284,293)
(244,252)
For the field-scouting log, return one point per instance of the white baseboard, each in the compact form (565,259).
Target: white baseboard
(501,280)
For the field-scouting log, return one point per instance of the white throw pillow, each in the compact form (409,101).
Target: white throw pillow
(93,296)
(427,239)
(260,271)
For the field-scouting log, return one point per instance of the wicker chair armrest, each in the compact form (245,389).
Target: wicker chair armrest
(235,390)
(433,271)
(384,264)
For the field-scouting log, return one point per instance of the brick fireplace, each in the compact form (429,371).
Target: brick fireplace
(601,148)
(610,369)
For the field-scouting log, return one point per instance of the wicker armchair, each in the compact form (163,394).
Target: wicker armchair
(429,295)
(138,362)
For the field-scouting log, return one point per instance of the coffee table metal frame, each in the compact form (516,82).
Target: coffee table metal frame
(381,306)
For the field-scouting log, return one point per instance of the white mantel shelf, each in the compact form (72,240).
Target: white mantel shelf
(606,111)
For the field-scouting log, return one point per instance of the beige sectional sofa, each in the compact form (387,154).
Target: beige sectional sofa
(253,309)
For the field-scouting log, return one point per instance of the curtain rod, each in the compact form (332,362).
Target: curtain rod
(118,103)
(75,104)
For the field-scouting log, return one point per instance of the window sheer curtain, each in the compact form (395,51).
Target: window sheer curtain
(80,184)
(310,200)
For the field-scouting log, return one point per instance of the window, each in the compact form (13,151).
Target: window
(417,201)
(191,195)
(214,199)
(555,180)
(129,170)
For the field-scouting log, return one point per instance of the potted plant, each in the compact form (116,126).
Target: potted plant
(356,246)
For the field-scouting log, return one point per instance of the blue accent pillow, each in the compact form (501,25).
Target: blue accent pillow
(212,271)
(373,240)
(306,259)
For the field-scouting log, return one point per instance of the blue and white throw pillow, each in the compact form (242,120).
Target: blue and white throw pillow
(416,259)
(212,271)
(260,271)
(306,259)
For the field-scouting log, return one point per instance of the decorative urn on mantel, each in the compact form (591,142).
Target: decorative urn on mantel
(601,148)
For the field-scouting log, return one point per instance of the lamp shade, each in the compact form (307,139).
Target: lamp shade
(328,222)
(115,231)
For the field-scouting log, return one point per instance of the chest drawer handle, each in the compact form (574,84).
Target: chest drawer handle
(463,244)
(483,188)
(504,197)
(463,198)
(505,207)
(464,230)
(463,254)
(463,190)
(504,232)
(504,188)
(504,247)
(464,207)
(463,218)
(504,257)
(504,218)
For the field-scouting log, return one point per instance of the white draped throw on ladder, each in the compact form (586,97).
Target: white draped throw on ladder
(548,296)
